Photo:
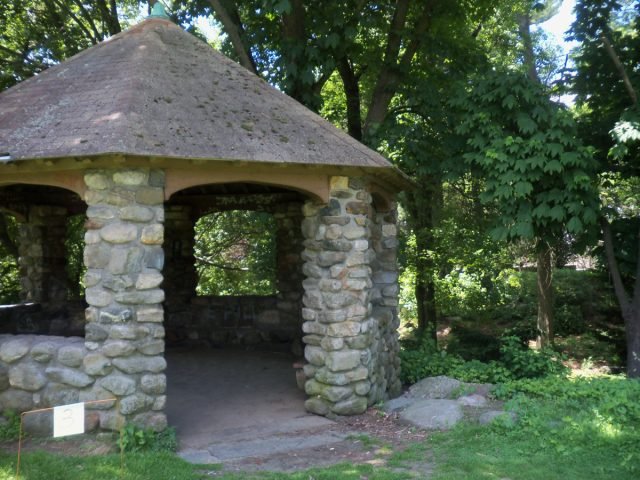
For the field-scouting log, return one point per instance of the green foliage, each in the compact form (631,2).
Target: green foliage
(74,245)
(10,426)
(607,115)
(580,298)
(567,416)
(136,439)
(236,253)
(421,359)
(620,198)
(165,466)
(9,279)
(523,362)
(537,172)
(575,293)
(37,34)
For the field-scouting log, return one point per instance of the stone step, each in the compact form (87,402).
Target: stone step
(273,445)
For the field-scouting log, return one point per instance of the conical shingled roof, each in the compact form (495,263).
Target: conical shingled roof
(155,90)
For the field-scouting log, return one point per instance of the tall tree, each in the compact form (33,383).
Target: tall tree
(539,11)
(536,170)
(607,83)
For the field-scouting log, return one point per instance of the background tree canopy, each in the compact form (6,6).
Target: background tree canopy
(235,253)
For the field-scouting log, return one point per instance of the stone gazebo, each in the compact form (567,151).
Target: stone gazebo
(144,133)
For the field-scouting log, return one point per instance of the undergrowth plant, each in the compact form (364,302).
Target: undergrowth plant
(421,359)
(10,426)
(571,416)
(137,439)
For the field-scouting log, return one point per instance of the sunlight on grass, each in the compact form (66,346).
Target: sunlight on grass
(7,472)
(606,427)
(566,429)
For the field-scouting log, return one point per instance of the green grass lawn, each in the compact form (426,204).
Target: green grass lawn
(139,466)
(166,466)
(474,453)
(567,429)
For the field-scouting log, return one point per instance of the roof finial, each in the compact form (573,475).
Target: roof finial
(158,11)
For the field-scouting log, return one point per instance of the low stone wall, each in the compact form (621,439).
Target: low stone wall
(34,318)
(227,320)
(39,371)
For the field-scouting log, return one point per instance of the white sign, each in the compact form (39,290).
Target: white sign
(68,420)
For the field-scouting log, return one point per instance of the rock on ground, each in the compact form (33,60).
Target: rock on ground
(435,388)
(433,414)
(437,403)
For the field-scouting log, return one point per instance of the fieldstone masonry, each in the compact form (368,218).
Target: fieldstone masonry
(42,255)
(286,321)
(343,339)
(180,276)
(40,371)
(45,307)
(124,258)
(385,291)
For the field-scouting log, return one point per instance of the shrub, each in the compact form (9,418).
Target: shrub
(136,439)
(10,426)
(522,362)
(420,358)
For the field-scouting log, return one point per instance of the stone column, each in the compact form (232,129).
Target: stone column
(337,300)
(289,247)
(180,276)
(385,304)
(42,253)
(124,259)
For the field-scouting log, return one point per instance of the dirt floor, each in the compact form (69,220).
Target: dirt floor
(244,410)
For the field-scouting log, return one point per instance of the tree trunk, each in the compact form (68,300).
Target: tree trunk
(524,26)
(545,296)
(228,15)
(352,92)
(423,207)
(630,307)
(397,64)
(425,290)
(632,321)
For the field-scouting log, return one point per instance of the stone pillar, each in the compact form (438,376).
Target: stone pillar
(385,304)
(180,276)
(124,259)
(289,247)
(42,253)
(337,300)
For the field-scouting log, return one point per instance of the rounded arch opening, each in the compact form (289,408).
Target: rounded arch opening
(232,274)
